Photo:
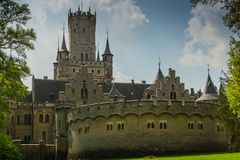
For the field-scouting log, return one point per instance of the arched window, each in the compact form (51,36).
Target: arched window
(18,119)
(152,125)
(46,118)
(82,56)
(40,118)
(25,119)
(86,56)
(29,119)
(44,135)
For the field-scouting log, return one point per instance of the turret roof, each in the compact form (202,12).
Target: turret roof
(64,46)
(209,93)
(107,49)
(159,75)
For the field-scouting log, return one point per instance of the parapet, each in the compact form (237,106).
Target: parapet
(140,107)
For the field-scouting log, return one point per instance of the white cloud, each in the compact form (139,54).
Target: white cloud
(207,44)
(120,77)
(48,16)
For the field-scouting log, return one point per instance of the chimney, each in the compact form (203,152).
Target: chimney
(45,77)
(132,81)
(192,92)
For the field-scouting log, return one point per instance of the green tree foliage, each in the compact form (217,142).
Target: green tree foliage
(16,37)
(229,98)
(9,151)
(233,81)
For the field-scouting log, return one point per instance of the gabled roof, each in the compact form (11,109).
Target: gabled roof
(130,91)
(114,93)
(209,93)
(47,90)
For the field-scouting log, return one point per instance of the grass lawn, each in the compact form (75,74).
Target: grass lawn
(214,156)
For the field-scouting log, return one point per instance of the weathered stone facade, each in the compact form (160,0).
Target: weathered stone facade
(87,115)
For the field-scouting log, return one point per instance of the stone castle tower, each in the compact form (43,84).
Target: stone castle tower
(82,53)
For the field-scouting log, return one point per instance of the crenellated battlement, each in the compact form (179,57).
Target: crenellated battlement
(77,62)
(81,15)
(140,107)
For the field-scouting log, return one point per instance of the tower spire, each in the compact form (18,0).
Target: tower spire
(64,46)
(98,57)
(107,49)
(58,44)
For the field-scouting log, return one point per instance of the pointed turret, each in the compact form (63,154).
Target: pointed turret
(58,53)
(107,49)
(114,93)
(159,75)
(209,93)
(98,56)
(64,46)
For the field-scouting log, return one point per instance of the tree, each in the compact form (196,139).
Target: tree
(229,97)
(14,37)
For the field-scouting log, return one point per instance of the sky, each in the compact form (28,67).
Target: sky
(140,31)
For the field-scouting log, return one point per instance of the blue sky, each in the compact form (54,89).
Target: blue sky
(140,31)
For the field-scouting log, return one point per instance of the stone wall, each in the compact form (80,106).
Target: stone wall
(142,128)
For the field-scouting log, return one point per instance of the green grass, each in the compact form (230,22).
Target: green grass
(217,156)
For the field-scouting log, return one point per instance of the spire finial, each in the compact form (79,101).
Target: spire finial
(89,9)
(107,32)
(159,61)
(82,5)
(58,43)
(208,68)
(98,56)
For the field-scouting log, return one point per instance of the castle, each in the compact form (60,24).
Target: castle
(87,115)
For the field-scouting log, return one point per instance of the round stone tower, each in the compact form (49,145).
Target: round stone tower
(61,139)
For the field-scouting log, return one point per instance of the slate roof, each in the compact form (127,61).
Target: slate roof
(129,90)
(64,46)
(46,90)
(107,49)
(209,93)
(159,75)
(114,93)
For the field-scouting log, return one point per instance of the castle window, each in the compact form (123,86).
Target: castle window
(82,56)
(52,95)
(79,130)
(200,125)
(59,124)
(44,135)
(74,30)
(73,70)
(40,118)
(120,126)
(86,57)
(18,119)
(173,95)
(163,94)
(98,71)
(46,118)
(29,119)
(109,126)
(218,127)
(86,130)
(84,30)
(163,124)
(25,119)
(72,90)
(92,71)
(150,124)
(173,87)
(94,91)
(190,126)
(25,139)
